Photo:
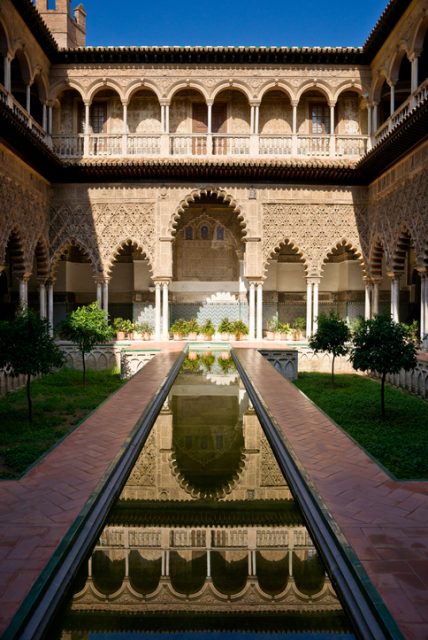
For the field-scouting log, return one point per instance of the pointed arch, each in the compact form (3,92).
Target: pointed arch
(41,255)
(197,194)
(376,255)
(14,243)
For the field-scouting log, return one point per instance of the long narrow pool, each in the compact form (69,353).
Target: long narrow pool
(205,540)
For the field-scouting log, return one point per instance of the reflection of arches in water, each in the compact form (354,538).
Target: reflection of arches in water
(272,571)
(208,444)
(107,574)
(229,576)
(144,572)
(187,570)
(309,574)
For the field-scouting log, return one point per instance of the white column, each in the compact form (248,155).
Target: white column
(294,130)
(44,117)
(256,119)
(308,308)
(162,118)
(23,292)
(425,314)
(28,98)
(7,61)
(105,296)
(395,296)
(367,305)
(125,130)
(369,127)
(50,307)
(414,74)
(157,310)
(208,563)
(259,327)
(392,99)
(165,311)
(375,117)
(42,300)
(50,109)
(99,294)
(209,128)
(332,137)
(167,118)
(251,323)
(375,305)
(316,305)
(86,132)
(251,119)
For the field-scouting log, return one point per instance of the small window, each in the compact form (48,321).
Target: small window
(204,232)
(98,116)
(320,118)
(220,233)
(188,234)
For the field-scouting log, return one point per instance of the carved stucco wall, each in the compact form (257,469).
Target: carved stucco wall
(399,204)
(24,198)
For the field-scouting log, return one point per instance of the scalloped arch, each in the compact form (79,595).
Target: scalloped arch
(349,245)
(195,195)
(278,246)
(403,241)
(119,246)
(61,250)
(376,254)
(14,239)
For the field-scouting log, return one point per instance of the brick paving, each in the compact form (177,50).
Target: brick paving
(37,511)
(385,521)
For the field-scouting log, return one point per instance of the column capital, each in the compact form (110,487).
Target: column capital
(313,279)
(2,268)
(42,281)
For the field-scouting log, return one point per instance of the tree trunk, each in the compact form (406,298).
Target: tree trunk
(382,395)
(332,369)
(84,368)
(30,405)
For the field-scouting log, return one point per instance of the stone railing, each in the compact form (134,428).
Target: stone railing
(283,360)
(9,382)
(415,381)
(400,114)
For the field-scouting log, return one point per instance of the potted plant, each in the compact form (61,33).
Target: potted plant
(225,362)
(299,325)
(208,360)
(239,329)
(283,330)
(192,328)
(271,328)
(122,328)
(138,331)
(208,330)
(178,329)
(146,330)
(224,329)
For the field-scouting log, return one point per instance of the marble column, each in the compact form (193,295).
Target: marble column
(424,305)
(251,311)
(125,129)
(99,294)
(7,76)
(165,311)
(259,323)
(332,136)
(375,302)
(158,304)
(308,308)
(23,291)
(414,74)
(367,301)
(316,284)
(42,299)
(86,131)
(105,296)
(395,297)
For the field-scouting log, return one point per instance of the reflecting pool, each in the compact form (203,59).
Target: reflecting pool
(205,540)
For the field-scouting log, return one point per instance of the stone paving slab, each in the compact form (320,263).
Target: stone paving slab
(37,511)
(385,521)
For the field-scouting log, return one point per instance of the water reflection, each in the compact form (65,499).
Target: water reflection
(205,525)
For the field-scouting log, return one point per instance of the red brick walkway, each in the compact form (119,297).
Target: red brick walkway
(37,511)
(385,521)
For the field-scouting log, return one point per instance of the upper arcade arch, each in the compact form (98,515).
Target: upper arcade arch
(4,39)
(232,85)
(181,85)
(140,85)
(102,85)
(57,89)
(320,86)
(350,86)
(277,85)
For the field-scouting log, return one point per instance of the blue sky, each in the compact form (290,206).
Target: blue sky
(233,22)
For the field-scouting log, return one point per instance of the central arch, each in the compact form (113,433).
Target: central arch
(208,249)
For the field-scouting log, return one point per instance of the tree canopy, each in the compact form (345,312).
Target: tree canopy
(27,348)
(332,336)
(383,346)
(85,326)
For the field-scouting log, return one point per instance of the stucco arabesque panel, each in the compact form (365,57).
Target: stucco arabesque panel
(402,209)
(101,229)
(314,230)
(25,212)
